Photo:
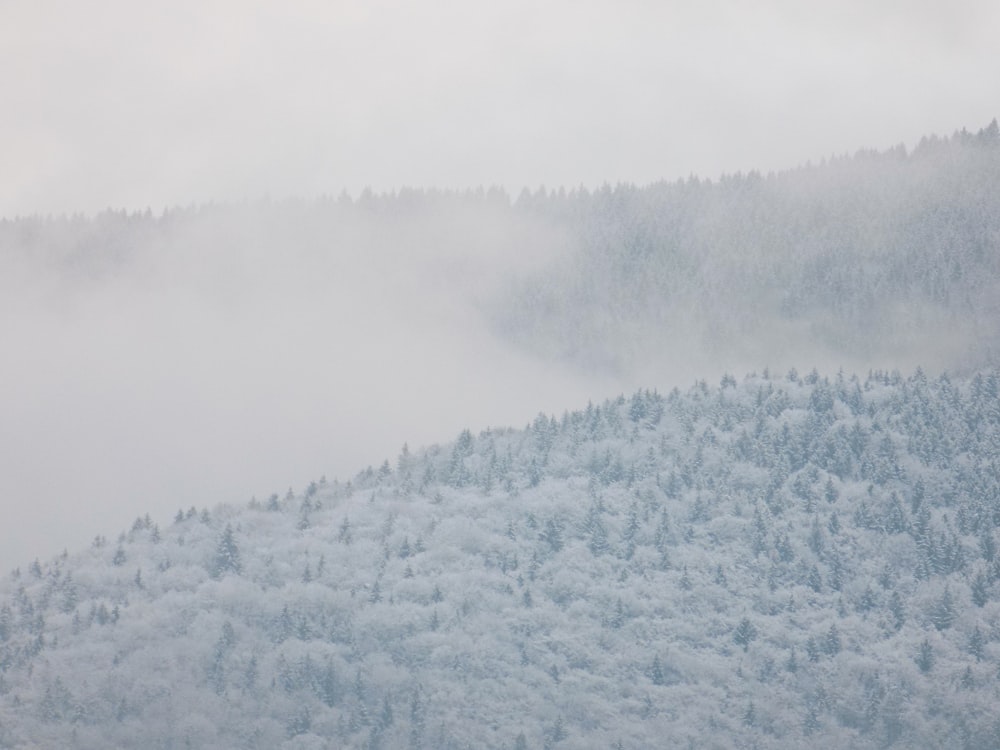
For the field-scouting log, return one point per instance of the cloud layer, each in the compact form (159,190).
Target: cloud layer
(160,104)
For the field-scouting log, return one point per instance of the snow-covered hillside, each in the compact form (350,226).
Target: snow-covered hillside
(780,561)
(873,260)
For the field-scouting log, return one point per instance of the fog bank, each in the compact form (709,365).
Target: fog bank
(216,355)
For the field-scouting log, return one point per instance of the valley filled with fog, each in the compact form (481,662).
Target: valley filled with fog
(220,352)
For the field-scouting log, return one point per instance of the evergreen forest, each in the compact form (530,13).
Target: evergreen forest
(802,552)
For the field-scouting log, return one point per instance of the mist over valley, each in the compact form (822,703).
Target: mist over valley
(317,429)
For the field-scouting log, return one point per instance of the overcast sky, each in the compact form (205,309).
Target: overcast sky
(146,393)
(125,104)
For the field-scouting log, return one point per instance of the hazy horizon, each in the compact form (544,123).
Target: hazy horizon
(124,106)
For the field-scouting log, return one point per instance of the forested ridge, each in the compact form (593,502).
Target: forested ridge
(878,259)
(773,561)
(878,255)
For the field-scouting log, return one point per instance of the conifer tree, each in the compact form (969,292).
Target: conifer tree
(227,555)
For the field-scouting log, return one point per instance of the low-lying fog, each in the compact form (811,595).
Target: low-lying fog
(235,354)
(223,352)
(210,359)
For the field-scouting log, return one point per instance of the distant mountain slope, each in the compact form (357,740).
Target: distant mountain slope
(779,562)
(878,258)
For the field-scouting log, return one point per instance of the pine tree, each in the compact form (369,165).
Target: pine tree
(618,618)
(656,671)
(925,657)
(812,650)
(792,664)
(558,732)
(814,580)
(830,492)
(943,613)
(227,555)
(344,534)
(980,590)
(977,644)
(385,719)
(832,644)
(745,633)
(553,535)
(598,542)
(897,610)
(867,601)
(967,682)
(418,720)
(685,581)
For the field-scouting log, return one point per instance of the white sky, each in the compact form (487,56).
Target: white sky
(133,402)
(126,104)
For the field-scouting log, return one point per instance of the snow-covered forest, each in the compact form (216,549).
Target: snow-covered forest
(877,257)
(790,554)
(766,562)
